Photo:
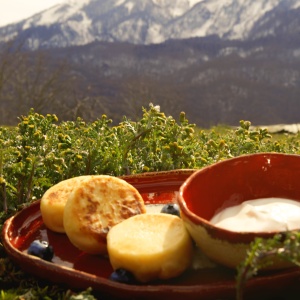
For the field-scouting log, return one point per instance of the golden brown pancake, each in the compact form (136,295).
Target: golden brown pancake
(95,206)
(150,246)
(54,200)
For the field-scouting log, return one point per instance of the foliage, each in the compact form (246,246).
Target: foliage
(15,284)
(40,152)
(263,252)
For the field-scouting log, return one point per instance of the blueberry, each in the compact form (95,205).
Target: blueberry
(41,249)
(122,275)
(172,209)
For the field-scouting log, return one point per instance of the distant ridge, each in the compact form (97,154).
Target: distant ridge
(220,61)
(79,22)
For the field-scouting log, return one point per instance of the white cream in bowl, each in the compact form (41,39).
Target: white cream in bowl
(260,215)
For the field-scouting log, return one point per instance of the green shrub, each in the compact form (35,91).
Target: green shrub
(41,152)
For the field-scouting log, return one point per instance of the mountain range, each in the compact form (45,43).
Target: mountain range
(218,60)
(79,22)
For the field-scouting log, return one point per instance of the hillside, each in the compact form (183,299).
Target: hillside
(212,80)
(145,22)
(99,58)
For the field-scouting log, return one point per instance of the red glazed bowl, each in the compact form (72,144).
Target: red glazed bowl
(231,182)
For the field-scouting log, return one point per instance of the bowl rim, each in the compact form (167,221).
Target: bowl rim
(216,231)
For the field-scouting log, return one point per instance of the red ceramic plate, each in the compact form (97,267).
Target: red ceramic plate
(74,269)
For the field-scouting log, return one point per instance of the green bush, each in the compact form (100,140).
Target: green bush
(41,152)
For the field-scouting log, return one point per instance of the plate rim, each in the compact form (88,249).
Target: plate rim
(107,286)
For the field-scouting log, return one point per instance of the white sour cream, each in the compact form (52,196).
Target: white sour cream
(260,215)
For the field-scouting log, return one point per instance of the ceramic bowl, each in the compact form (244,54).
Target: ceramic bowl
(228,183)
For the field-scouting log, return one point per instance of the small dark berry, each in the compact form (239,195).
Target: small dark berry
(172,209)
(122,275)
(41,249)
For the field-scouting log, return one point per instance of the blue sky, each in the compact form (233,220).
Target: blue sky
(15,10)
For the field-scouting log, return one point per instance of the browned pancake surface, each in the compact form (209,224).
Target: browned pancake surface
(54,200)
(96,205)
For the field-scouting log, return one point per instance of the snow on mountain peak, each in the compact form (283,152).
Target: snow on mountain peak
(129,6)
(194,2)
(296,5)
(120,2)
(57,14)
(148,21)
(232,19)
(79,3)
